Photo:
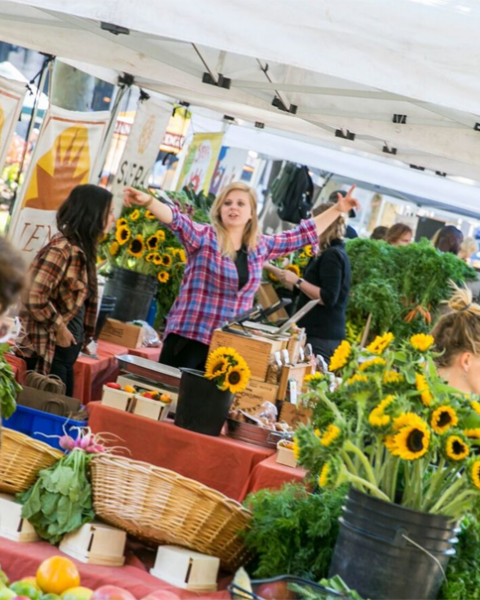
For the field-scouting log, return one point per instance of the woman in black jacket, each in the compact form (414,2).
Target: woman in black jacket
(326,278)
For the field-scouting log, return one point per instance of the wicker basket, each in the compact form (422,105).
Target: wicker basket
(21,459)
(162,507)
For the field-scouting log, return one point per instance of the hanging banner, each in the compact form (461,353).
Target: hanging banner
(142,147)
(230,165)
(200,161)
(64,155)
(12,94)
(177,129)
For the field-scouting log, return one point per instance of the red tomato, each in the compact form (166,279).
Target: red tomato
(115,386)
(277,590)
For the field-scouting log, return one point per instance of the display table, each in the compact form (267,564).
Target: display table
(221,463)
(19,367)
(148,353)
(22,560)
(272,475)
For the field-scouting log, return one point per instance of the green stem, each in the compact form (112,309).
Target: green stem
(451,490)
(350,447)
(457,502)
(372,487)
(434,481)
(331,405)
(378,460)
(393,480)
(349,463)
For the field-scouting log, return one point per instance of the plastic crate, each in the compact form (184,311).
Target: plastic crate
(34,423)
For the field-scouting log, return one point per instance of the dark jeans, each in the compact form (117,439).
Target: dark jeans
(62,365)
(179,351)
(323,347)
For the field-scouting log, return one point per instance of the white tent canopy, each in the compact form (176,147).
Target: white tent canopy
(351,67)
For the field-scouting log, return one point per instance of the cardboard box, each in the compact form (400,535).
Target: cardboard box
(294,415)
(149,408)
(285,456)
(123,334)
(186,569)
(256,350)
(117,398)
(96,544)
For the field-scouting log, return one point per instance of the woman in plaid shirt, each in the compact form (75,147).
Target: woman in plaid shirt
(224,266)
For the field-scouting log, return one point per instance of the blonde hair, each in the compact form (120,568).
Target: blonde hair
(250,234)
(459,330)
(335,231)
(469,246)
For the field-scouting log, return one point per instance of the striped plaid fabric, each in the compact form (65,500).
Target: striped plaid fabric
(58,287)
(209,294)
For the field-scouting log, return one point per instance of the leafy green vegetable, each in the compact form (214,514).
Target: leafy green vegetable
(61,499)
(8,386)
(292,531)
(335,584)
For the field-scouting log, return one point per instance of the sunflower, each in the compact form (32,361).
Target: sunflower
(422,342)
(160,235)
(422,386)
(314,377)
(135,215)
(167,260)
(392,377)
(181,255)
(122,223)
(412,438)
(296,449)
(114,248)
(217,366)
(377,417)
(308,250)
(136,247)
(324,476)
(456,448)
(443,418)
(122,235)
(475,406)
(152,242)
(149,215)
(150,257)
(340,356)
(474,473)
(380,343)
(236,379)
(272,277)
(163,276)
(157,259)
(473,434)
(357,378)
(331,434)
(377,361)
(293,269)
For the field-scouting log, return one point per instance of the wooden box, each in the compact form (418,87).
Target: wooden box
(139,382)
(149,408)
(117,398)
(186,569)
(96,544)
(256,393)
(294,415)
(123,334)
(12,525)
(296,373)
(256,350)
(267,297)
(285,456)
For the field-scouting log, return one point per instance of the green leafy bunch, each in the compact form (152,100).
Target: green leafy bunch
(293,531)
(60,501)
(9,388)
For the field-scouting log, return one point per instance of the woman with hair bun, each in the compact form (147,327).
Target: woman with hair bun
(457,337)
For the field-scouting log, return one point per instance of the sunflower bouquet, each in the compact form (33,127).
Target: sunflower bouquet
(393,428)
(228,370)
(295,262)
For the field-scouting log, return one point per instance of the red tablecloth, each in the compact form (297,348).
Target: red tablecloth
(19,367)
(22,560)
(149,353)
(92,373)
(221,463)
(270,474)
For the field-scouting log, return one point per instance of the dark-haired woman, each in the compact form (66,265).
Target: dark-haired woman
(59,306)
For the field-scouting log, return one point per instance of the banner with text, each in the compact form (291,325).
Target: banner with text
(12,94)
(230,165)
(64,155)
(200,161)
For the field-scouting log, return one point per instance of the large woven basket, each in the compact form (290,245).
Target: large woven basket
(21,459)
(162,507)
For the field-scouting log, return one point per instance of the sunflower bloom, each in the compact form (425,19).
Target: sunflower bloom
(443,418)
(157,259)
(122,223)
(182,255)
(167,260)
(122,235)
(377,417)
(456,448)
(324,476)
(331,434)
(149,215)
(474,473)
(357,378)
(475,406)
(296,449)
(135,215)
(150,257)
(377,361)
(152,242)
(473,434)
(236,379)
(114,248)
(313,377)
(412,439)
(293,269)
(380,343)
(160,235)
(308,250)
(392,377)
(217,366)
(422,387)
(163,276)
(136,247)
(272,277)
(422,342)
(340,356)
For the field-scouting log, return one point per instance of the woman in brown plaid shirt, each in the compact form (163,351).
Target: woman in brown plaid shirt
(60,303)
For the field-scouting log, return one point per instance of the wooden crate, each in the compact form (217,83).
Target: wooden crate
(294,415)
(256,350)
(186,569)
(96,544)
(285,456)
(267,297)
(296,373)
(117,398)
(255,394)
(12,525)
(149,408)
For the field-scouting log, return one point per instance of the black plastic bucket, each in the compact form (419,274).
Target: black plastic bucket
(107,307)
(201,406)
(134,293)
(374,554)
